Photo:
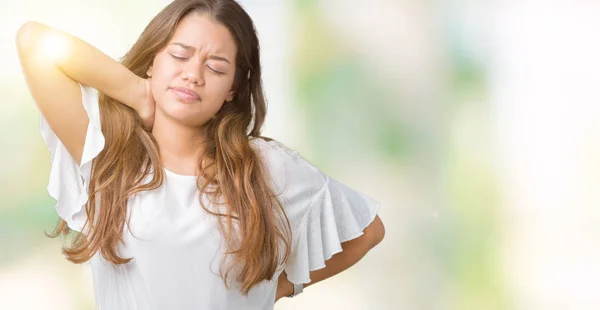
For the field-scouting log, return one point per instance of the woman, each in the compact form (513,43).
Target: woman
(159,169)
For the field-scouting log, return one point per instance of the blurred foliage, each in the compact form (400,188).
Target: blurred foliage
(345,105)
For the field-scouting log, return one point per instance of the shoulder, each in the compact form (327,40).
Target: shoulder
(278,155)
(269,147)
(286,166)
(274,154)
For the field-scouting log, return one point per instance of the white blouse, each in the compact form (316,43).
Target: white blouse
(176,245)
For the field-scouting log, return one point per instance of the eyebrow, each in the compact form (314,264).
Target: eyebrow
(188,47)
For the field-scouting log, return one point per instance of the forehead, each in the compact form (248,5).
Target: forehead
(202,32)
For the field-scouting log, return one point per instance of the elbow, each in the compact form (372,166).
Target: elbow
(375,232)
(33,36)
(27,36)
(46,43)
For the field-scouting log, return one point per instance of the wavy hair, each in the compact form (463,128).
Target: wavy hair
(253,223)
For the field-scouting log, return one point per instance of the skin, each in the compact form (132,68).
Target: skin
(197,43)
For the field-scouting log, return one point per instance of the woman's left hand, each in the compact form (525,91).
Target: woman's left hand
(284,287)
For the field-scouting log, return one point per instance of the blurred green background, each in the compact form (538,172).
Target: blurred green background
(474,123)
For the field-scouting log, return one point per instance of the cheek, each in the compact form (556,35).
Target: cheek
(163,70)
(162,78)
(222,86)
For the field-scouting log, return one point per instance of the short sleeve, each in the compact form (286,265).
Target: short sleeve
(322,212)
(68,182)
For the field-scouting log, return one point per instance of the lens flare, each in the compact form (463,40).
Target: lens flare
(54,46)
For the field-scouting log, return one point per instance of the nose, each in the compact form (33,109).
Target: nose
(193,73)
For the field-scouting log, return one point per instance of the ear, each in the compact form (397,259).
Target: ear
(149,71)
(230,95)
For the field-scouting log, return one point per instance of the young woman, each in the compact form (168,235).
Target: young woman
(160,171)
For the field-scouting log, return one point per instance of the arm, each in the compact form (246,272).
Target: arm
(352,251)
(53,62)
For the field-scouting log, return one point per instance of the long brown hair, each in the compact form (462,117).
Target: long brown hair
(260,241)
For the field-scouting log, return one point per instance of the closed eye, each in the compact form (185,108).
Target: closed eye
(185,58)
(215,71)
(177,57)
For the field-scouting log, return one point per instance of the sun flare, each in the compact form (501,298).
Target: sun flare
(54,46)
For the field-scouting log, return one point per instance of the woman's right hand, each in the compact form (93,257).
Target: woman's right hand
(148,105)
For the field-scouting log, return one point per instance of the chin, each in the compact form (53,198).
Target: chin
(188,118)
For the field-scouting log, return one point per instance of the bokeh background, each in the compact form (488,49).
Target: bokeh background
(476,124)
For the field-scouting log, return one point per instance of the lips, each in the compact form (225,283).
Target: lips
(185,93)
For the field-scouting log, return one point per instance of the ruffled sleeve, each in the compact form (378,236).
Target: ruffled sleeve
(68,181)
(323,212)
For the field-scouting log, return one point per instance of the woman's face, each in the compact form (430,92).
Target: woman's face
(193,75)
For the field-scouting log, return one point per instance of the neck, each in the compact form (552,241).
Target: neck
(179,144)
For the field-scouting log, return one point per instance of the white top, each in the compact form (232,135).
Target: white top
(176,245)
